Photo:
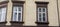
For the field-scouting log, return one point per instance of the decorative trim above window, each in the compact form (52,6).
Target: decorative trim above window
(18,1)
(42,13)
(4,1)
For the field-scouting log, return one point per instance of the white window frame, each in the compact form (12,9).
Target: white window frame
(17,13)
(3,14)
(42,14)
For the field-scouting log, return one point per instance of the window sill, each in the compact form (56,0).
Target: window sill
(16,22)
(42,22)
(3,22)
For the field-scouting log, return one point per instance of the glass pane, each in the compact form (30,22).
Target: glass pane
(39,9)
(19,16)
(39,19)
(43,16)
(39,14)
(15,16)
(43,9)
(19,8)
(15,8)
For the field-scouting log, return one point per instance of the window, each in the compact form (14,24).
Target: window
(42,14)
(2,14)
(17,13)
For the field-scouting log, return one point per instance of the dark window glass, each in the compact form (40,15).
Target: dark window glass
(39,9)
(19,9)
(43,9)
(43,16)
(39,19)
(19,16)
(39,14)
(15,16)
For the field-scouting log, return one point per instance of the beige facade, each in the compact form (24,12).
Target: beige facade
(29,13)
(59,9)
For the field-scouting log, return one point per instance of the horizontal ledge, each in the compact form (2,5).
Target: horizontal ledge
(42,22)
(18,0)
(3,2)
(3,22)
(16,22)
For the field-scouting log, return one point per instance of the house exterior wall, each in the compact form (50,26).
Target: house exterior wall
(59,10)
(29,13)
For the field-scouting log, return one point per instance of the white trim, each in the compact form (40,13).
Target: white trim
(42,14)
(17,7)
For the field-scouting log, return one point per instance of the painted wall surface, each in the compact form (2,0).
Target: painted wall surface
(52,13)
(59,9)
(31,12)
(9,12)
(29,17)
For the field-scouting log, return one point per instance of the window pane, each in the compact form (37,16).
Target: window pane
(43,16)
(15,16)
(43,9)
(39,9)
(19,8)
(39,14)
(19,16)
(39,19)
(15,8)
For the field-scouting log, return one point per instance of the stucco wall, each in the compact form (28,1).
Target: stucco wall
(59,9)
(31,12)
(9,12)
(52,13)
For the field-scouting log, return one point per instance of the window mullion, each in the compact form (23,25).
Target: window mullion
(42,14)
(17,14)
